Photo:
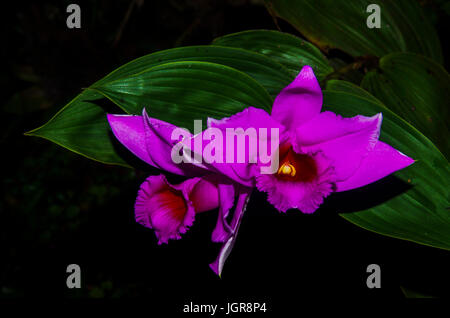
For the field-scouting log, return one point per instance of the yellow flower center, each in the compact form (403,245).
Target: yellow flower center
(287,169)
(296,166)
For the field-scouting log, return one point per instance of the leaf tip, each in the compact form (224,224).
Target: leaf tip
(30,132)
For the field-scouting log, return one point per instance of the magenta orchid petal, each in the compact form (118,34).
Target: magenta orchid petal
(298,102)
(130,131)
(165,208)
(242,173)
(205,195)
(250,117)
(159,145)
(150,140)
(243,194)
(223,230)
(345,141)
(248,122)
(304,194)
(214,191)
(381,162)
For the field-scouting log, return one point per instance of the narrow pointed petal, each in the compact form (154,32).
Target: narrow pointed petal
(150,140)
(380,162)
(243,197)
(159,145)
(344,141)
(223,230)
(130,131)
(300,101)
(211,192)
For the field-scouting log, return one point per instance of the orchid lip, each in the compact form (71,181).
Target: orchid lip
(296,166)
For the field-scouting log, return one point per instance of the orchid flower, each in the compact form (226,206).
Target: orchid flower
(317,153)
(170,209)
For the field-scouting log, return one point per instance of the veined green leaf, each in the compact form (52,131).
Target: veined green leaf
(420,213)
(418,90)
(81,125)
(270,74)
(181,92)
(286,49)
(343,24)
(348,87)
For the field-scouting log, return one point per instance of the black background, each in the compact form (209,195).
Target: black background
(58,208)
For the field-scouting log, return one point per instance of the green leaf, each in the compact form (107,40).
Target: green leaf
(270,74)
(284,48)
(181,92)
(81,125)
(344,86)
(413,294)
(343,25)
(420,213)
(348,72)
(417,89)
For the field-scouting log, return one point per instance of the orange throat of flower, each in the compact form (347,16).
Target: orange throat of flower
(296,167)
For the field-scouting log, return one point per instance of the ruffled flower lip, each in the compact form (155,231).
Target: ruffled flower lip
(165,208)
(309,178)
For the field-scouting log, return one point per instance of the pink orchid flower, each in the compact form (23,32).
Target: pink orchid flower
(318,153)
(171,209)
